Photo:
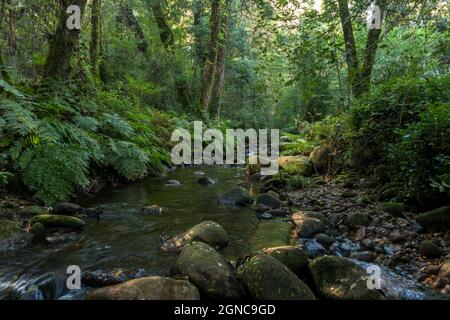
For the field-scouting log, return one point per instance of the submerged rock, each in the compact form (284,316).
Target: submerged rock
(436,220)
(209,232)
(291,256)
(57,221)
(269,201)
(338,278)
(266,278)
(205,181)
(236,197)
(150,288)
(208,271)
(154,210)
(67,209)
(173,183)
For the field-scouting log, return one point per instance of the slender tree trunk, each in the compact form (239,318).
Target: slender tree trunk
(211,58)
(373,40)
(168,41)
(350,47)
(3,72)
(219,74)
(95,37)
(62,43)
(127,17)
(11,35)
(199,55)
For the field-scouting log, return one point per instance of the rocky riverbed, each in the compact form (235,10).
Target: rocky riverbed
(214,234)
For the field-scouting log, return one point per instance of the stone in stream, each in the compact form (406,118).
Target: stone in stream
(67,209)
(430,249)
(266,278)
(173,183)
(208,271)
(57,221)
(312,247)
(150,288)
(437,220)
(236,197)
(357,219)
(292,257)
(307,227)
(199,173)
(205,181)
(209,232)
(269,201)
(338,278)
(366,256)
(154,210)
(324,239)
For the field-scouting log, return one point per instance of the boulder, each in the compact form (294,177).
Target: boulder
(299,165)
(266,278)
(236,197)
(150,288)
(320,157)
(67,209)
(312,247)
(324,239)
(269,201)
(357,219)
(430,249)
(58,221)
(307,227)
(11,236)
(208,271)
(436,220)
(208,232)
(338,278)
(291,256)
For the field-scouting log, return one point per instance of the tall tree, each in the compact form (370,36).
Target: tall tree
(128,18)
(219,74)
(62,42)
(168,41)
(211,58)
(95,47)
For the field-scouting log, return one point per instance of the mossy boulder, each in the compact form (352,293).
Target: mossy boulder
(237,197)
(320,157)
(208,271)
(208,232)
(11,235)
(57,221)
(292,257)
(266,278)
(150,288)
(396,209)
(269,201)
(37,229)
(338,278)
(437,220)
(298,165)
(270,234)
(430,249)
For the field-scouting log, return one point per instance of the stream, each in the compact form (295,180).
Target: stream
(127,239)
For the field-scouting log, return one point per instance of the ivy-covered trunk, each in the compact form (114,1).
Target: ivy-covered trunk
(62,42)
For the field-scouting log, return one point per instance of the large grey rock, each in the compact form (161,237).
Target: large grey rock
(338,278)
(208,271)
(151,288)
(57,221)
(307,227)
(266,278)
(209,232)
(269,201)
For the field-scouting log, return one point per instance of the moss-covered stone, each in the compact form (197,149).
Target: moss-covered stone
(37,229)
(55,221)
(292,257)
(266,278)
(436,220)
(320,157)
(236,197)
(430,249)
(208,271)
(209,232)
(150,288)
(341,279)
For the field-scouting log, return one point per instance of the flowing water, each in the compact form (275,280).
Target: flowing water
(127,239)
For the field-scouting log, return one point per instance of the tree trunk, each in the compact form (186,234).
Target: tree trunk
(350,47)
(95,38)
(168,41)
(373,39)
(127,17)
(199,52)
(210,64)
(11,34)
(219,73)
(62,43)
(3,72)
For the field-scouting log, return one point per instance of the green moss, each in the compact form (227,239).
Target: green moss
(54,221)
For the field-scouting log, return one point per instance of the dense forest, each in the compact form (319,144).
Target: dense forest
(358,89)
